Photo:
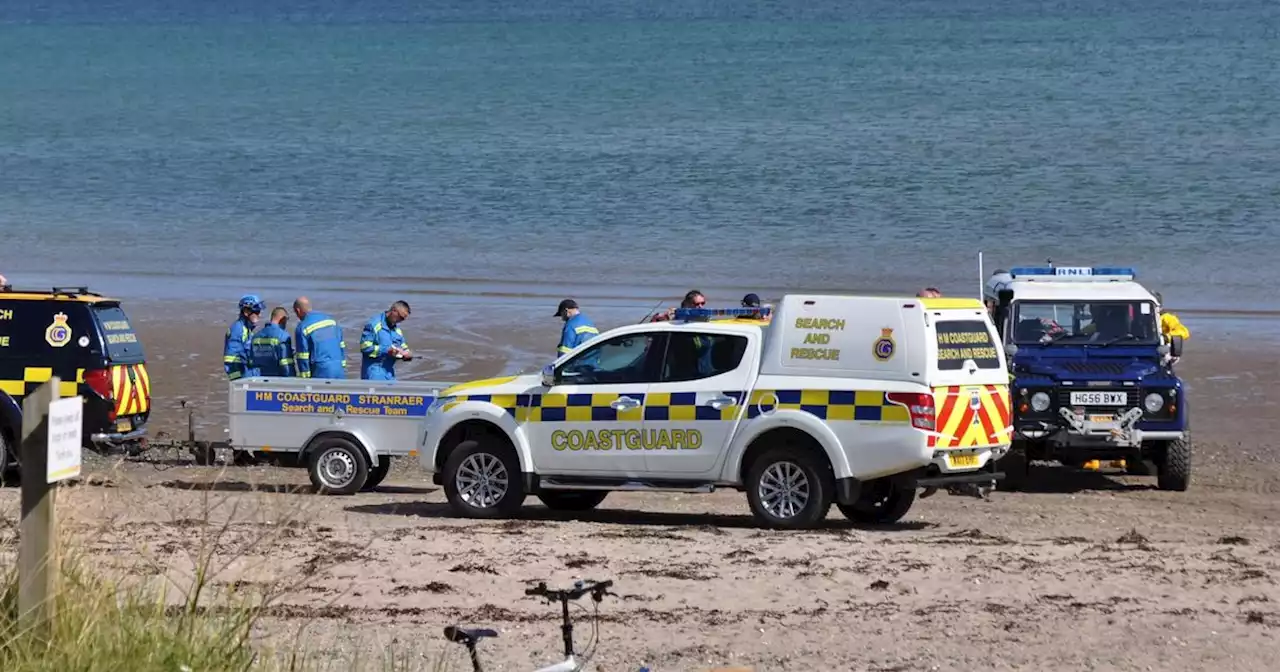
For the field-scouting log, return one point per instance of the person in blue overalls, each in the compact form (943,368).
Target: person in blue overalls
(271,348)
(320,350)
(235,349)
(382,343)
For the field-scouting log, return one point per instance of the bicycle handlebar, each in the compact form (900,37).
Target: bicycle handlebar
(597,590)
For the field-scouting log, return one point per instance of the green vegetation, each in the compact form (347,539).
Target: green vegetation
(180,615)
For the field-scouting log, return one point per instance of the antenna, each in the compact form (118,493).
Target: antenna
(982,287)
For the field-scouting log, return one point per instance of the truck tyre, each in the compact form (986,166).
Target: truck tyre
(1173,472)
(377,474)
(559,500)
(882,501)
(789,488)
(8,459)
(482,479)
(1016,468)
(338,466)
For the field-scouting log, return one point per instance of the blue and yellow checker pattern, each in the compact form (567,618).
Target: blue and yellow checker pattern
(854,405)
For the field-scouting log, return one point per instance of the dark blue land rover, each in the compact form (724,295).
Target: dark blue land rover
(1092,376)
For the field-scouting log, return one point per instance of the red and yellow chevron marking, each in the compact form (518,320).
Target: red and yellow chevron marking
(132,396)
(962,425)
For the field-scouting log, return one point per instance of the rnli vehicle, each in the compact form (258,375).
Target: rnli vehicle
(87,341)
(1093,380)
(856,401)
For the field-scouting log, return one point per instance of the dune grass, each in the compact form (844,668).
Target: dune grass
(172,616)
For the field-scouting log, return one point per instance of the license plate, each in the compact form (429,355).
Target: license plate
(124,425)
(958,461)
(1101,418)
(1099,398)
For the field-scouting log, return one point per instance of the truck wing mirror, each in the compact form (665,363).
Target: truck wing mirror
(1175,346)
(549,375)
(1005,296)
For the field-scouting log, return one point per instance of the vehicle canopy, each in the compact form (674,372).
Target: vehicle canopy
(927,341)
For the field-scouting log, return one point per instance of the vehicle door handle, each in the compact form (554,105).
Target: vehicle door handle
(720,402)
(624,404)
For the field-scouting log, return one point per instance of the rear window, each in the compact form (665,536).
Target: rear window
(959,340)
(122,343)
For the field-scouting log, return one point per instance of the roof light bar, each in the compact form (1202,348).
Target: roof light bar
(1074,273)
(705,314)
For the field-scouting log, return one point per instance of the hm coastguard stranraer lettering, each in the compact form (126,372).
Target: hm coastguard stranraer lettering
(817,325)
(336,402)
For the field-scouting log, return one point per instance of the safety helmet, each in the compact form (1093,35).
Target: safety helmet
(252,302)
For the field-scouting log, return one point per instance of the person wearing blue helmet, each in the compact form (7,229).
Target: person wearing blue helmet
(236,351)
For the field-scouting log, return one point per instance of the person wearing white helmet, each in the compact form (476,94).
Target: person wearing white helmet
(236,351)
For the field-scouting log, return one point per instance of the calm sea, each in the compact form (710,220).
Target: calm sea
(506,153)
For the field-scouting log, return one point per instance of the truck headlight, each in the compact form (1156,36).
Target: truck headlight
(1040,402)
(1153,402)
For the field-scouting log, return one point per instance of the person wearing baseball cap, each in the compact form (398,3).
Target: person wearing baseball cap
(577,328)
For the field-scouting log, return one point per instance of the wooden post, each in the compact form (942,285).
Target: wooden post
(37,561)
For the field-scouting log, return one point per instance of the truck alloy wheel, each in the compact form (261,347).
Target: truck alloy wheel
(483,480)
(339,467)
(788,488)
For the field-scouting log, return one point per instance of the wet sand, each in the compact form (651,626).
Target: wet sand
(1087,571)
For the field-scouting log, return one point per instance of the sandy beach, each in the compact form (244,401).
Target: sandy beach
(1087,571)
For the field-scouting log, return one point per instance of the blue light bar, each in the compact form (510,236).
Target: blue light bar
(1074,273)
(704,314)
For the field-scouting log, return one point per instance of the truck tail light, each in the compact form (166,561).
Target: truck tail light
(919,406)
(99,380)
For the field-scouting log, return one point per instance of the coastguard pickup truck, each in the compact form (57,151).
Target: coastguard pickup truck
(852,400)
(1093,376)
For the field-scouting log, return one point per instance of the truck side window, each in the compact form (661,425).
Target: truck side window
(619,360)
(695,356)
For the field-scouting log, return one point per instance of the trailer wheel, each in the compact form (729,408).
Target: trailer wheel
(377,474)
(482,479)
(338,467)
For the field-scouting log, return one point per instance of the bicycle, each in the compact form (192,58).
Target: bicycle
(596,589)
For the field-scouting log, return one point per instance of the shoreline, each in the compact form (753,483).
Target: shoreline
(1233,382)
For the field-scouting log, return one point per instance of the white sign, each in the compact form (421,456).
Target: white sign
(1074,270)
(65,431)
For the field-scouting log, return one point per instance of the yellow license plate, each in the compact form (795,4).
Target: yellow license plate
(1101,418)
(124,425)
(957,461)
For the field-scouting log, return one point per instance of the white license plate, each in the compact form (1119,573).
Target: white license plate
(1099,398)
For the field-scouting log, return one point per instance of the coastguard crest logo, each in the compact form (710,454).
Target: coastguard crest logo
(884,346)
(58,334)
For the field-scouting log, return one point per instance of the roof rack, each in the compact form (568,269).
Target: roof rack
(708,314)
(73,291)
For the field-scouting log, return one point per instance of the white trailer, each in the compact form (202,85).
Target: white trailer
(344,432)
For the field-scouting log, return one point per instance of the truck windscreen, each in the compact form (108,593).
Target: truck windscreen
(1092,323)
